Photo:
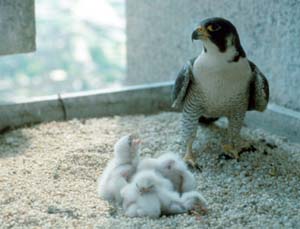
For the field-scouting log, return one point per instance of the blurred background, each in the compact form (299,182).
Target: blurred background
(94,44)
(80,46)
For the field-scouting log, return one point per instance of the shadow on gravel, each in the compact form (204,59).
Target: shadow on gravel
(13,143)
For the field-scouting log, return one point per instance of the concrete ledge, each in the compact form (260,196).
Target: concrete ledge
(145,99)
(278,120)
(130,100)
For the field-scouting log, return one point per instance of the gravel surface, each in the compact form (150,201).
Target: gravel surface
(48,176)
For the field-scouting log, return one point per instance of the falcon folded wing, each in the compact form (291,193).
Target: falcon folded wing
(259,90)
(183,81)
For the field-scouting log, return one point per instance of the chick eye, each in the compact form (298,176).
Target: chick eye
(213,27)
(130,140)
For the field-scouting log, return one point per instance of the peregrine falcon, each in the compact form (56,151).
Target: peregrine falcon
(220,82)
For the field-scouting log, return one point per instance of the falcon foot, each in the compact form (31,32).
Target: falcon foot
(190,160)
(231,152)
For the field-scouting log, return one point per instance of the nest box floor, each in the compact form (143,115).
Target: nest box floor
(48,175)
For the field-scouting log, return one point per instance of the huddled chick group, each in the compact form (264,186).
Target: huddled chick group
(150,187)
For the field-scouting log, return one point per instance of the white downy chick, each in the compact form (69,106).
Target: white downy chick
(120,169)
(150,194)
(173,168)
(140,197)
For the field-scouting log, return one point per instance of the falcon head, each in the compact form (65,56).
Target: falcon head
(220,32)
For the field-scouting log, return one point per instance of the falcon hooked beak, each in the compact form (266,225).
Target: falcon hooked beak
(200,33)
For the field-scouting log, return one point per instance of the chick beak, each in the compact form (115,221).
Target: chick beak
(136,142)
(200,34)
(144,190)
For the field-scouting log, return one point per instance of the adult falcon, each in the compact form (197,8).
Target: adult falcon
(220,82)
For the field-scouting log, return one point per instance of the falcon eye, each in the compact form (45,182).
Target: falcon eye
(213,27)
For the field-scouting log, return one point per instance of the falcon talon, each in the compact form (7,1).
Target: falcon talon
(227,147)
(230,151)
(194,166)
(271,145)
(198,167)
(224,156)
(190,163)
(248,149)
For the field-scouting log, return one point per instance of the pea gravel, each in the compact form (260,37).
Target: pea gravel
(48,176)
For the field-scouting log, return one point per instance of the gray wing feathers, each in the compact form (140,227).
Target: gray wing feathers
(182,83)
(259,90)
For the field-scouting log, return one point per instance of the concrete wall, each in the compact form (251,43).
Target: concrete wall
(159,39)
(17,26)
